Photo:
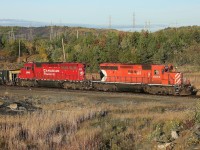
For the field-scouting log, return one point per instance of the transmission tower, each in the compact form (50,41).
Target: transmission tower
(11,35)
(149,25)
(145,26)
(133,21)
(51,33)
(30,35)
(110,19)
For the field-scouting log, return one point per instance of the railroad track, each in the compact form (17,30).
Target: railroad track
(88,92)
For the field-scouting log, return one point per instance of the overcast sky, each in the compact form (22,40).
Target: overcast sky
(97,12)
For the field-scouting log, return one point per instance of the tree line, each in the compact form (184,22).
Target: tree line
(179,46)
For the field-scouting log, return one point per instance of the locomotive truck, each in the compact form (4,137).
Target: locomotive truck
(153,78)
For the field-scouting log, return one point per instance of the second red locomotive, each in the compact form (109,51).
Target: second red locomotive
(155,79)
(146,74)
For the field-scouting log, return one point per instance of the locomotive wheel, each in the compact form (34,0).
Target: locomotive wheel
(149,89)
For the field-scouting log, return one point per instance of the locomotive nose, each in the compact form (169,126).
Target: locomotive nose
(103,75)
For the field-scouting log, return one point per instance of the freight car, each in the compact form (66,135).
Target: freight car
(8,77)
(153,79)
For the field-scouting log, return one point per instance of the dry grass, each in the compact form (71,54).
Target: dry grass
(81,124)
(43,129)
(194,79)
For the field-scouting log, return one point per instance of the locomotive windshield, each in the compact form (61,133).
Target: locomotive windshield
(168,68)
(27,68)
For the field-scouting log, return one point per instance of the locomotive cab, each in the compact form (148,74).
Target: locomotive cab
(27,72)
(166,75)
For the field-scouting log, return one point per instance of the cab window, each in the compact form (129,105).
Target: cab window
(130,71)
(28,68)
(156,72)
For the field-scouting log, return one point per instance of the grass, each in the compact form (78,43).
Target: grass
(191,73)
(82,124)
(42,129)
(194,79)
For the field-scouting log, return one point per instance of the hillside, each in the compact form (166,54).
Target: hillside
(180,46)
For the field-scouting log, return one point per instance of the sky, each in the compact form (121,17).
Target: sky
(97,12)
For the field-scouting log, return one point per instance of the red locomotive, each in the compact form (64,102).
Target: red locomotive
(154,79)
(61,72)
(145,74)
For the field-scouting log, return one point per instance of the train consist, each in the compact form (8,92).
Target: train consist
(153,79)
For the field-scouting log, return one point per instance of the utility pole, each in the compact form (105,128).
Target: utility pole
(77,34)
(19,51)
(64,58)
